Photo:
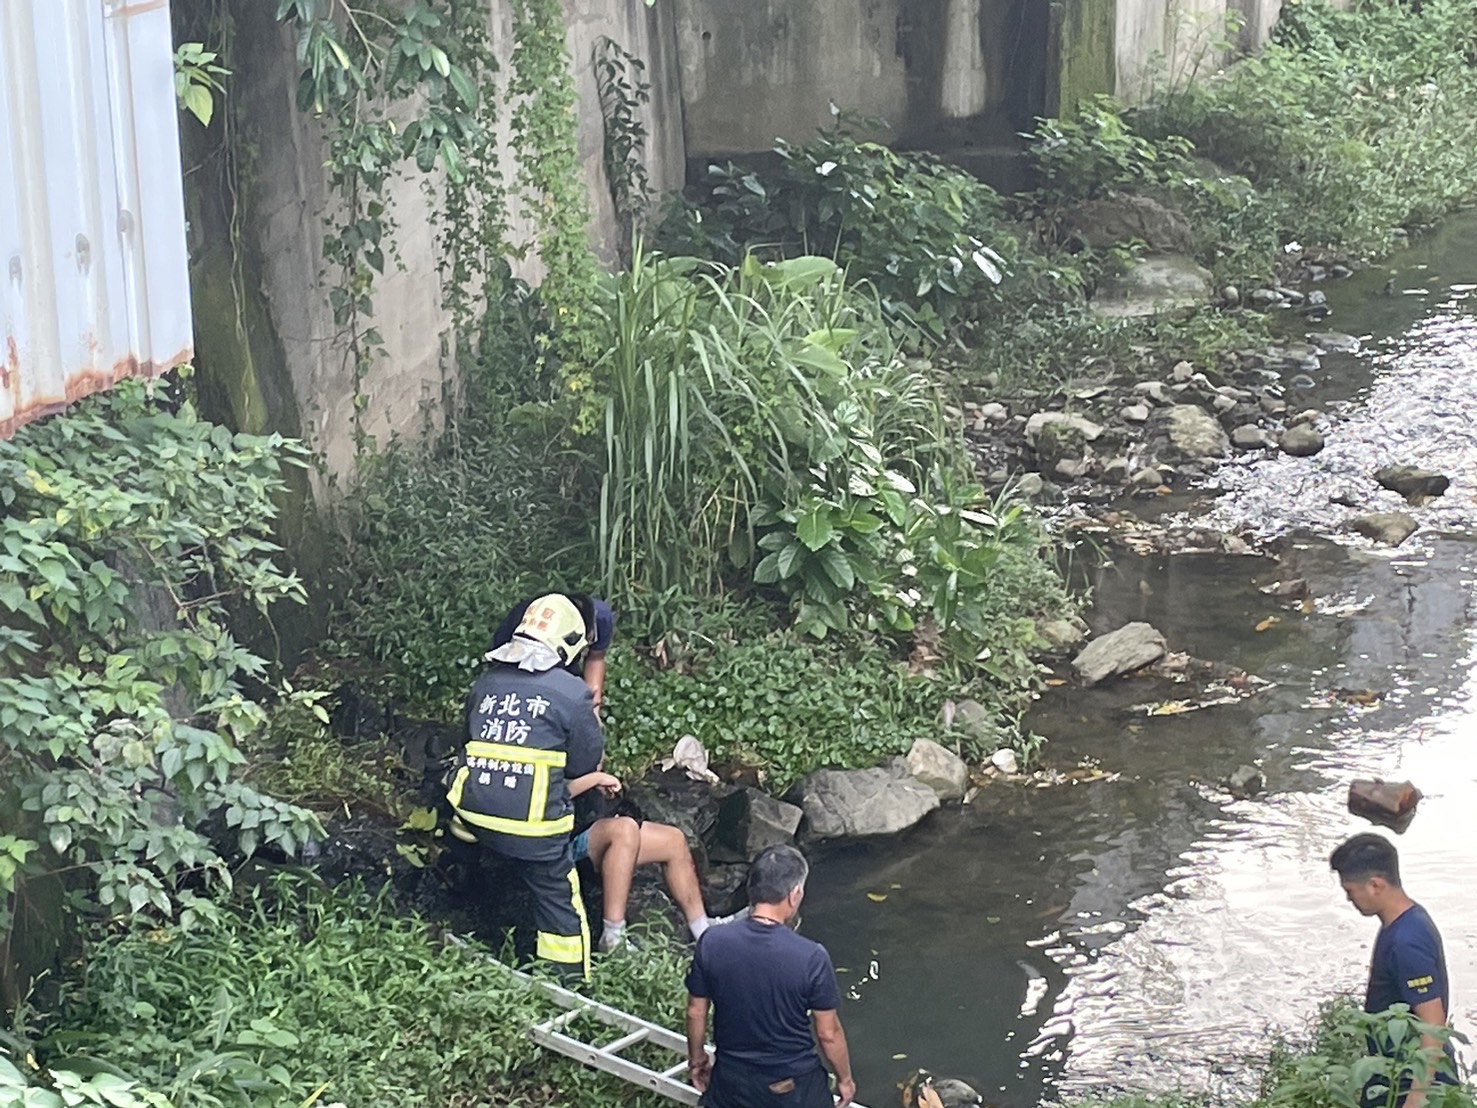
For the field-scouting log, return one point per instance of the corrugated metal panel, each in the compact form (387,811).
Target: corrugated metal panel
(94,280)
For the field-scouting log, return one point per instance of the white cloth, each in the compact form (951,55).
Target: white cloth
(524,653)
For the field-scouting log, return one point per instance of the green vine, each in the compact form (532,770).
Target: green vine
(553,187)
(472,220)
(360,63)
(365,65)
(621,79)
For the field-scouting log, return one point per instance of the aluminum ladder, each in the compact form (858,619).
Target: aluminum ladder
(552,1034)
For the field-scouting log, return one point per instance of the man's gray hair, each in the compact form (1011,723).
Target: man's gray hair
(776,873)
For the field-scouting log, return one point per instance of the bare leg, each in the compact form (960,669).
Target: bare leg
(614,846)
(665,845)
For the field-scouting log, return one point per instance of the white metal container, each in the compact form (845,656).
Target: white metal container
(94,279)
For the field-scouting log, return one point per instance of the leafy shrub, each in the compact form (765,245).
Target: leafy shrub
(761,421)
(440,545)
(300,995)
(925,233)
(296,757)
(63,1088)
(1349,123)
(440,540)
(1097,150)
(129,524)
(1334,1066)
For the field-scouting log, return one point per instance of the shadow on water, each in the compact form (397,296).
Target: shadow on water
(1146,929)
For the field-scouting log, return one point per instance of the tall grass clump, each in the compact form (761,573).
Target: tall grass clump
(763,429)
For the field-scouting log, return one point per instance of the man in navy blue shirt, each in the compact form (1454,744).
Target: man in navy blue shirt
(1408,965)
(773,996)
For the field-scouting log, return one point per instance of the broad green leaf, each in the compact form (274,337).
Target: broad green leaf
(767,572)
(836,567)
(804,272)
(814,528)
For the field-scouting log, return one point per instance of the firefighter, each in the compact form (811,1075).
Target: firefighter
(531,726)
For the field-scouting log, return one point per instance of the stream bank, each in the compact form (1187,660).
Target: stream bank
(1142,929)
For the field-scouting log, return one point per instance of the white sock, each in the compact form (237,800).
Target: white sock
(614,929)
(698,926)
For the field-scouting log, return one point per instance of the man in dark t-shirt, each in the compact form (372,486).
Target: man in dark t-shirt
(1408,965)
(773,996)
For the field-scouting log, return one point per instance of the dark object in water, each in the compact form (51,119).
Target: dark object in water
(923,1090)
(1390,803)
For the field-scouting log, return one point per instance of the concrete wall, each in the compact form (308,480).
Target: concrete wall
(757,69)
(1166,42)
(940,72)
(295,378)
(947,74)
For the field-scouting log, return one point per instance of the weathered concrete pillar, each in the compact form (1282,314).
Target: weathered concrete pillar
(965,82)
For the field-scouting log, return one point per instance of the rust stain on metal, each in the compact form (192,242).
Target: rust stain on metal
(10,371)
(87,382)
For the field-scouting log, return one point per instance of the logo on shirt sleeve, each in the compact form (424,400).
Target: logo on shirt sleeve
(1420,984)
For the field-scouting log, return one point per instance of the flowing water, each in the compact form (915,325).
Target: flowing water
(1146,930)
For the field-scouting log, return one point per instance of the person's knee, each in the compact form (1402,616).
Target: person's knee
(625,831)
(661,842)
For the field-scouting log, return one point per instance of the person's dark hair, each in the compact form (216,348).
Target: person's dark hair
(775,873)
(1365,856)
(586,605)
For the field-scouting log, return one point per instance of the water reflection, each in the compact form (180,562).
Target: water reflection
(1148,930)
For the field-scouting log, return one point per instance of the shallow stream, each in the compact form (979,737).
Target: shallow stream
(1145,929)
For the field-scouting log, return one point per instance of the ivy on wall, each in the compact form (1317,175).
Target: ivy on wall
(419,87)
(395,88)
(553,188)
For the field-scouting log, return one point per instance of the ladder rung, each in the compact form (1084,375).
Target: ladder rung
(563,1019)
(673,1071)
(625,1040)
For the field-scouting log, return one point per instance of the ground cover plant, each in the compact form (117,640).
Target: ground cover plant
(1327,1065)
(300,994)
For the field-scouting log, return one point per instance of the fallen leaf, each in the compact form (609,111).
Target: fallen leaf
(878,897)
(898,1057)
(1268,623)
(1055,682)
(1170,708)
(992,919)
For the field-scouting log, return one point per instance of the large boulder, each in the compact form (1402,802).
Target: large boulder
(842,803)
(671,796)
(1412,482)
(939,768)
(1061,423)
(973,720)
(748,821)
(1193,432)
(1123,218)
(1391,528)
(1154,285)
(1302,441)
(1131,647)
